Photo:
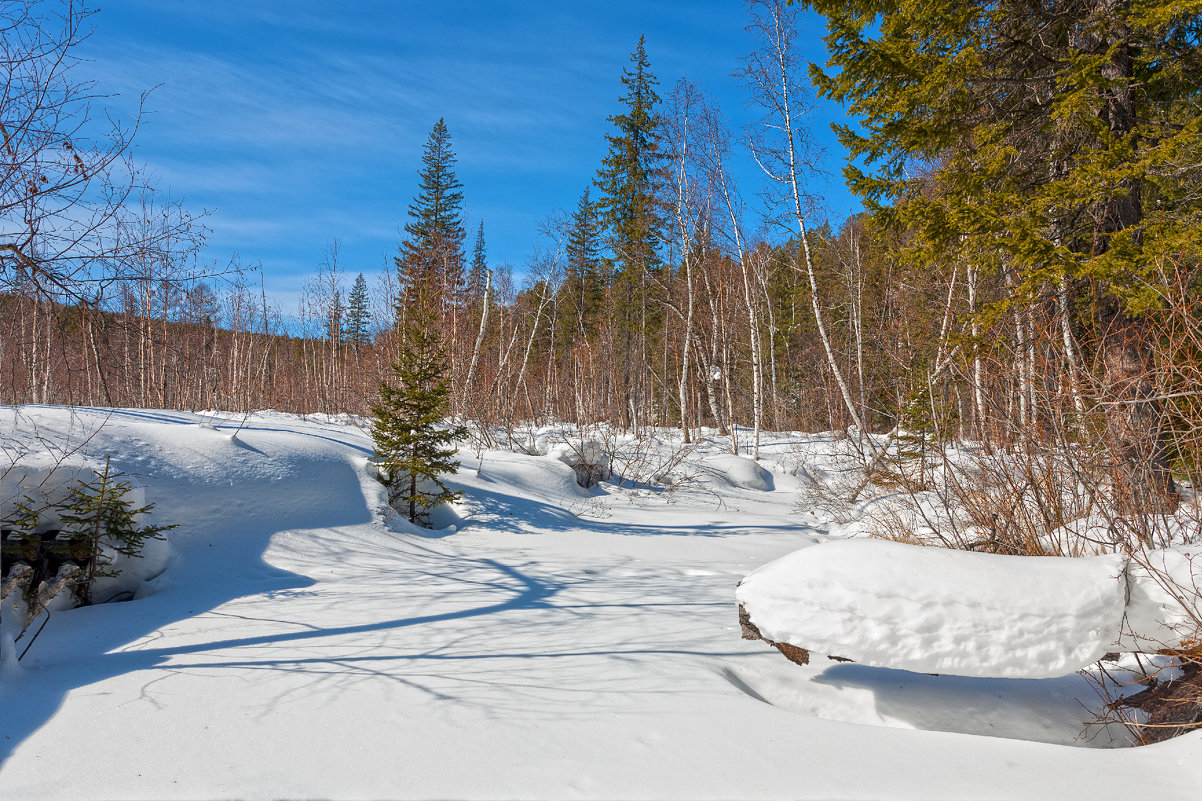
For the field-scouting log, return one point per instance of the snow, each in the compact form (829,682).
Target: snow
(1162,609)
(580,452)
(934,610)
(740,471)
(549,642)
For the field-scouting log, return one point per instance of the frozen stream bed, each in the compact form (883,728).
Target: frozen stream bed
(550,642)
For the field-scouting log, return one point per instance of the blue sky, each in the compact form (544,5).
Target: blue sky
(301,122)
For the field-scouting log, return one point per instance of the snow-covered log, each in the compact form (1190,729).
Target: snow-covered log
(933,610)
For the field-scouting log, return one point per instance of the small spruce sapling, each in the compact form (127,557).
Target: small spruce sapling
(413,448)
(98,512)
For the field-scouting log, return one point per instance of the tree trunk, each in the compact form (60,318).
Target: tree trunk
(1134,430)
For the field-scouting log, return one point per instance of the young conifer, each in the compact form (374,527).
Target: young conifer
(98,513)
(413,448)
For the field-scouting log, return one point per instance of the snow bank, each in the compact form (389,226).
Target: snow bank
(43,481)
(739,471)
(546,479)
(941,611)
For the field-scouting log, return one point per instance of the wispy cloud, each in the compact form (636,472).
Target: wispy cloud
(301,121)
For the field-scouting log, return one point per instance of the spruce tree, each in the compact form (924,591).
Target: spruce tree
(479,270)
(632,171)
(431,258)
(358,314)
(413,448)
(584,283)
(1036,140)
(629,180)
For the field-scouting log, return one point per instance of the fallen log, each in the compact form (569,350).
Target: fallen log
(798,656)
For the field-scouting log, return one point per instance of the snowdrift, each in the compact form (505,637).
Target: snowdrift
(740,471)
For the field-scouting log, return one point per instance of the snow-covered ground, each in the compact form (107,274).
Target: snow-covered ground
(548,642)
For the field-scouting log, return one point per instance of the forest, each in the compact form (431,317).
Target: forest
(1026,272)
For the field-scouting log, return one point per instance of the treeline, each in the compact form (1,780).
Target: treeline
(1026,273)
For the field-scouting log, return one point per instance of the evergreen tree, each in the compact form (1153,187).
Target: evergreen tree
(98,513)
(358,314)
(431,260)
(1034,138)
(632,172)
(584,283)
(413,448)
(629,180)
(479,270)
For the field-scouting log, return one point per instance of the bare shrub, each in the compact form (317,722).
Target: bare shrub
(829,493)
(648,458)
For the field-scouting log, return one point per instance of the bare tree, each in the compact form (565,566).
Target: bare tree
(784,150)
(690,205)
(66,172)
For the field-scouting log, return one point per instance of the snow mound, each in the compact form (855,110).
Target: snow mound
(131,573)
(1163,610)
(739,471)
(547,480)
(42,481)
(589,451)
(932,610)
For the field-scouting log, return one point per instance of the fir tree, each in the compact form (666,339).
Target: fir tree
(431,260)
(413,448)
(358,314)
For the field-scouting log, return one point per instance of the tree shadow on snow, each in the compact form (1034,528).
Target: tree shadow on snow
(1054,710)
(500,511)
(460,651)
(218,557)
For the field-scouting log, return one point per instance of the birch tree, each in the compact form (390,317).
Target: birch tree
(785,151)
